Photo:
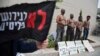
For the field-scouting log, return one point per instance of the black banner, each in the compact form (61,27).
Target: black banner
(26,21)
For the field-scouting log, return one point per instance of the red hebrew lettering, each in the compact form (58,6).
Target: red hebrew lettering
(43,15)
(31,20)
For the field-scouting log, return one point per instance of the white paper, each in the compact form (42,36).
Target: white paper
(80,46)
(62,44)
(63,51)
(71,47)
(20,54)
(88,45)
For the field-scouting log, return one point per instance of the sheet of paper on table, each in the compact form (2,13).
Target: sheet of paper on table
(88,45)
(63,50)
(80,46)
(71,47)
(20,54)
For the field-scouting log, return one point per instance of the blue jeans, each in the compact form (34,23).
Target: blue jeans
(60,32)
(85,33)
(59,37)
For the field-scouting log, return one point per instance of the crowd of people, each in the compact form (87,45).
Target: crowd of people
(74,28)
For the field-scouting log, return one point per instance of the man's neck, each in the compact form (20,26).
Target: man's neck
(71,18)
(87,20)
(62,14)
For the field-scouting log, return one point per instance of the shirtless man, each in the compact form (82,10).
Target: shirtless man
(79,25)
(70,28)
(86,28)
(60,27)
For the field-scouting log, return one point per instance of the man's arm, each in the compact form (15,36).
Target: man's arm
(74,24)
(30,45)
(65,21)
(58,20)
(84,23)
(89,23)
(42,45)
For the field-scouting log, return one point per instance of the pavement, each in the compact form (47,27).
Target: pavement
(52,52)
(96,40)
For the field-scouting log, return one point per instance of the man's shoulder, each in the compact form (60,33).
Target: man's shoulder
(58,17)
(69,19)
(85,21)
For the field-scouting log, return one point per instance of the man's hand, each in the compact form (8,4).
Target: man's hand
(42,45)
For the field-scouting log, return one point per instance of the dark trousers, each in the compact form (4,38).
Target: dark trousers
(24,46)
(85,33)
(59,36)
(77,34)
(6,49)
(69,34)
(10,48)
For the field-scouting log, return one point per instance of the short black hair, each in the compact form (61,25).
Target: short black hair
(88,16)
(71,16)
(62,11)
(80,18)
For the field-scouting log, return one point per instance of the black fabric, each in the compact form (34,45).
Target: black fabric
(27,45)
(6,49)
(24,46)
(26,21)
